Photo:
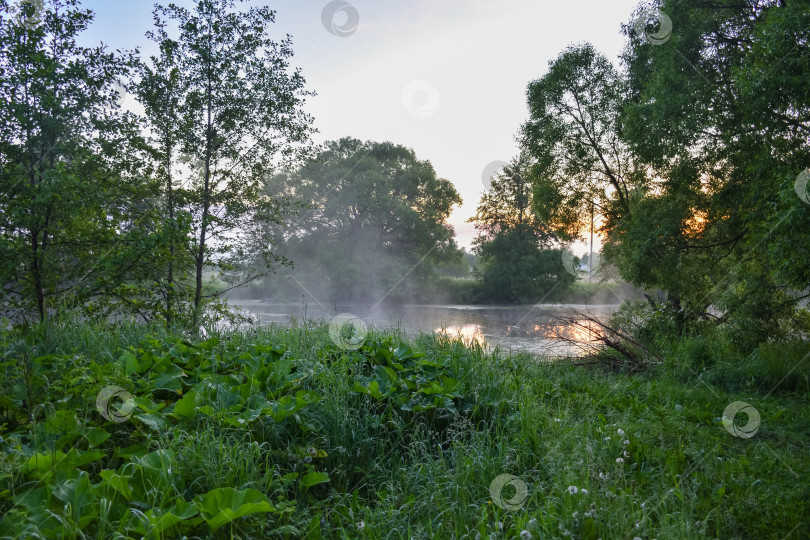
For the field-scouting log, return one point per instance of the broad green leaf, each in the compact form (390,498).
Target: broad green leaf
(170,379)
(313,478)
(187,405)
(96,435)
(117,482)
(147,405)
(154,421)
(222,505)
(130,362)
(161,520)
(42,464)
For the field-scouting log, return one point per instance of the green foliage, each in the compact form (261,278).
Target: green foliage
(408,381)
(581,164)
(75,220)
(278,433)
(724,227)
(224,99)
(691,157)
(513,268)
(453,290)
(514,262)
(377,222)
(223,505)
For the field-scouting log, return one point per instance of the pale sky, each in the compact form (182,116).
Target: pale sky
(444,77)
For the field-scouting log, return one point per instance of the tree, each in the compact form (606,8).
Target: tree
(573,134)
(515,270)
(377,226)
(516,262)
(69,169)
(161,94)
(719,114)
(508,203)
(238,106)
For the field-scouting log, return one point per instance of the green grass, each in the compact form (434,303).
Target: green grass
(391,441)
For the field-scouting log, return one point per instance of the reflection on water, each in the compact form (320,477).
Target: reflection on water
(469,334)
(582,331)
(534,329)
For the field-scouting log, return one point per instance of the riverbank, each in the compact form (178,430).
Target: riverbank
(279,432)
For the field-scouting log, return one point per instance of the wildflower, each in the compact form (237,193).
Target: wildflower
(533,523)
(607,438)
(557,420)
(620,431)
(602,476)
(619,460)
(643,504)
(312,451)
(626,442)
(572,490)
(499,525)
(583,491)
(361,525)
(626,453)
(590,513)
(308,459)
(575,515)
(525,535)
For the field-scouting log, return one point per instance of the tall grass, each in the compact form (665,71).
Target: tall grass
(603,454)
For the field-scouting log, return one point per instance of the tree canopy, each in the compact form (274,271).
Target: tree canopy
(691,155)
(517,260)
(378,221)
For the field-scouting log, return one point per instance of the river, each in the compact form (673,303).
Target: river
(533,329)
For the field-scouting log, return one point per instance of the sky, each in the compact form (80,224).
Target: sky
(446,78)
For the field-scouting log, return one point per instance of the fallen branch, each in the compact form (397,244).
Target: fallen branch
(602,335)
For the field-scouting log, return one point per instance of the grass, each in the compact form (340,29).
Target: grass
(336,445)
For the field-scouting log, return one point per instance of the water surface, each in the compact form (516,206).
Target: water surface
(535,329)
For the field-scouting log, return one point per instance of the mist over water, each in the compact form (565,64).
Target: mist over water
(534,329)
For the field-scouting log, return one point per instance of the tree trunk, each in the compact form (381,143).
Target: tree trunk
(170,203)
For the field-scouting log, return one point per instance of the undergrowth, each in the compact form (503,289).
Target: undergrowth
(277,432)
